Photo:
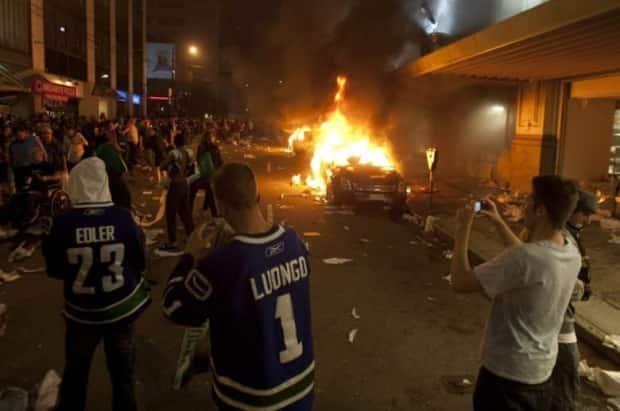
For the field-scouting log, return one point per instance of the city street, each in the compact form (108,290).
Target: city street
(414,334)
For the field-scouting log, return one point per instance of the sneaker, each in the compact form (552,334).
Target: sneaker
(169,250)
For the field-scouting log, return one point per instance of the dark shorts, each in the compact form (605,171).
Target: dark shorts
(494,393)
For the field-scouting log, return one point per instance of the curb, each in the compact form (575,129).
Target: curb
(586,330)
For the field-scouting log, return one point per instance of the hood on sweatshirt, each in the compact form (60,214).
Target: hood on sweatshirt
(88,184)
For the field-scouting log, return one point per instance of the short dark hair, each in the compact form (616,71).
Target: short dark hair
(559,197)
(235,185)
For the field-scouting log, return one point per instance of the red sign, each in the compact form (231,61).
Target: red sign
(53,91)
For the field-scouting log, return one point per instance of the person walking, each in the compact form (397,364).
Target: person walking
(116,168)
(20,151)
(99,253)
(255,291)
(530,286)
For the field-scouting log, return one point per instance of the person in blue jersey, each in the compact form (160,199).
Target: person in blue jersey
(99,252)
(255,291)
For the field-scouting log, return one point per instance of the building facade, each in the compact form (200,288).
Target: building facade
(70,56)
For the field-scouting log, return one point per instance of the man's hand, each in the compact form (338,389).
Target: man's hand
(491,210)
(197,243)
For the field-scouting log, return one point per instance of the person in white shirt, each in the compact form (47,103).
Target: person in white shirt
(530,286)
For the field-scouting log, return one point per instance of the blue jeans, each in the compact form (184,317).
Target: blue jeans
(494,393)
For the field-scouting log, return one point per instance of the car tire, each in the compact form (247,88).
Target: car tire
(397,211)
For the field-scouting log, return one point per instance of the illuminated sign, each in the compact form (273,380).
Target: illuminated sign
(160,63)
(53,91)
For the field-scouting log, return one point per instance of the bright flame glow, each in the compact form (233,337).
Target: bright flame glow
(298,135)
(296,180)
(338,143)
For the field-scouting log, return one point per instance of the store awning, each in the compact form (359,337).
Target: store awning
(9,84)
(558,39)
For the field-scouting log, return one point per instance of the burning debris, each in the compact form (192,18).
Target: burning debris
(338,143)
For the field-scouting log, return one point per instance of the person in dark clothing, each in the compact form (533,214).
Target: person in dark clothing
(99,253)
(116,168)
(55,151)
(157,144)
(565,377)
(209,161)
(178,165)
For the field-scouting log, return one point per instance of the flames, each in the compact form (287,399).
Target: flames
(337,143)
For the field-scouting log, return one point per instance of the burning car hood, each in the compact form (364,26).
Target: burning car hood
(365,174)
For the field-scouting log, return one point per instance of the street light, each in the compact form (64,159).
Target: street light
(193,50)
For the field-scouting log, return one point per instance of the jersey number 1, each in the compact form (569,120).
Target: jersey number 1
(293,348)
(109,253)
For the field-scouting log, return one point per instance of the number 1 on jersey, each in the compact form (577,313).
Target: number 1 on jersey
(284,312)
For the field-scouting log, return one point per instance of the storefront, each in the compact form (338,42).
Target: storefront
(563,57)
(55,98)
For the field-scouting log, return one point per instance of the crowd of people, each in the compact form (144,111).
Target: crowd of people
(249,279)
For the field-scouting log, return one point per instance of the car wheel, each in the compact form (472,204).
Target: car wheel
(397,210)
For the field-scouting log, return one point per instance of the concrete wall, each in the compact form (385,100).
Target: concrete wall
(587,138)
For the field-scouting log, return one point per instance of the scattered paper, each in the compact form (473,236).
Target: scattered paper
(312,234)
(152,234)
(48,392)
(448,254)
(4,319)
(249,156)
(147,193)
(614,239)
(448,278)
(7,233)
(431,299)
(352,335)
(429,223)
(289,195)
(612,341)
(354,314)
(610,224)
(160,212)
(21,252)
(27,270)
(413,242)
(337,261)
(161,253)
(285,206)
(607,381)
(364,240)
(8,277)
(347,228)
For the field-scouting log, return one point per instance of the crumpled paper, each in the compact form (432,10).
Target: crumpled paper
(21,252)
(8,277)
(607,381)
(612,341)
(352,335)
(337,260)
(48,392)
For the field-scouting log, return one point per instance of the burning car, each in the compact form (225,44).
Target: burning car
(355,184)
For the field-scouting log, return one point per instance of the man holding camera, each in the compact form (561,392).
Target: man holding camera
(530,286)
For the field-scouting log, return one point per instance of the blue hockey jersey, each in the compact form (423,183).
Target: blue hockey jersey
(256,293)
(99,252)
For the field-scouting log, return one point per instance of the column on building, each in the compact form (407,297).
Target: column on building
(144,62)
(113,69)
(130,57)
(534,146)
(89,104)
(37,45)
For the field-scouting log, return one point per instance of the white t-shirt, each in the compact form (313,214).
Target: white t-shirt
(530,285)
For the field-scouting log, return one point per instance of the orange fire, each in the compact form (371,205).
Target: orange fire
(337,142)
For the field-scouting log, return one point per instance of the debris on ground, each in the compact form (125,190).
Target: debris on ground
(607,381)
(352,335)
(614,239)
(147,193)
(431,299)
(413,242)
(48,392)
(13,399)
(429,224)
(448,278)
(312,234)
(364,240)
(337,260)
(458,384)
(160,212)
(249,156)
(413,218)
(289,195)
(610,224)
(354,314)
(347,228)
(152,234)
(4,319)
(8,277)
(285,206)
(448,254)
(28,270)
(162,253)
(612,341)
(7,233)
(21,252)
(270,213)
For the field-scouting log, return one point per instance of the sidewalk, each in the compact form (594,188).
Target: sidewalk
(596,318)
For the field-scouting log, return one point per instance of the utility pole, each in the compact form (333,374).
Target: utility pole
(130,58)
(144,62)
